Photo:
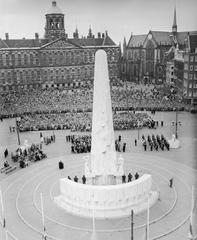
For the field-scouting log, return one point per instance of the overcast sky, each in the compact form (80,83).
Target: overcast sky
(22,18)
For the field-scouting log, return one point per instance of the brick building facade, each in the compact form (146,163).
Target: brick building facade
(190,70)
(55,60)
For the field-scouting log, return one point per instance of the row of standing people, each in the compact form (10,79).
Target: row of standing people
(155,142)
(125,178)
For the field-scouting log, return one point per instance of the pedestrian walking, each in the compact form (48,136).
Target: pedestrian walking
(171,182)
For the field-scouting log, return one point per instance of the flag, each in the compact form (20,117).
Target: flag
(43,223)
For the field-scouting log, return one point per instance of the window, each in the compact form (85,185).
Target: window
(191,67)
(195,68)
(185,66)
(195,76)
(195,58)
(186,75)
(191,58)
(191,76)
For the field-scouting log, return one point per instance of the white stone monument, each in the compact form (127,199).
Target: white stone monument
(104,192)
(103,167)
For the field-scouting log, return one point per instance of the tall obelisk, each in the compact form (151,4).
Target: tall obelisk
(103,163)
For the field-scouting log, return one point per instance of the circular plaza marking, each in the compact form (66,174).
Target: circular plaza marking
(44,176)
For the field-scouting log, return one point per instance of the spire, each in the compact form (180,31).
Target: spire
(124,48)
(76,33)
(174,26)
(90,32)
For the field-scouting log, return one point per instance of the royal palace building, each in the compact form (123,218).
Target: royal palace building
(145,56)
(55,60)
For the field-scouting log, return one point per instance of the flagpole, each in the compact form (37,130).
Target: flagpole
(42,211)
(132,223)
(93,223)
(148,216)
(3,215)
(190,234)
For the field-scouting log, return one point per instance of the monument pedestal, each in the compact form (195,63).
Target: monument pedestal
(107,201)
(104,180)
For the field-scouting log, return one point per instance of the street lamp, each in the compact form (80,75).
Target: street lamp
(176,124)
(132,223)
(138,130)
(17,120)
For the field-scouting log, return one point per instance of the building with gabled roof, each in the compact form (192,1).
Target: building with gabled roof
(147,54)
(190,70)
(55,60)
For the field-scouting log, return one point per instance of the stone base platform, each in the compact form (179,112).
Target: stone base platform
(111,201)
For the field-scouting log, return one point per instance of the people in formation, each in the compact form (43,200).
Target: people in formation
(79,143)
(155,142)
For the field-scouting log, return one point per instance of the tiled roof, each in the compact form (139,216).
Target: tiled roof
(3,44)
(162,38)
(182,37)
(87,41)
(193,41)
(136,40)
(31,43)
(23,43)
(108,41)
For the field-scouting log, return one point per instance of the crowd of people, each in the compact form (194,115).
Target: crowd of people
(124,96)
(155,142)
(82,121)
(79,143)
(28,154)
(128,178)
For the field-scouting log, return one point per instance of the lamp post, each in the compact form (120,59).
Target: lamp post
(132,223)
(176,124)
(17,119)
(138,130)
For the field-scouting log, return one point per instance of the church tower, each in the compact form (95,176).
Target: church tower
(174,26)
(54,23)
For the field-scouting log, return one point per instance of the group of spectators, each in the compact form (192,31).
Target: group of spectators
(126,95)
(79,143)
(155,142)
(82,121)
(28,154)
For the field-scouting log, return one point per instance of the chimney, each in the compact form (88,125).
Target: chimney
(99,35)
(7,36)
(36,36)
(103,35)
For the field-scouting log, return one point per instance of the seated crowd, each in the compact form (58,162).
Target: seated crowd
(124,96)
(80,122)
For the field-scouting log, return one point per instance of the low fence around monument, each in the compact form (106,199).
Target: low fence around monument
(83,198)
